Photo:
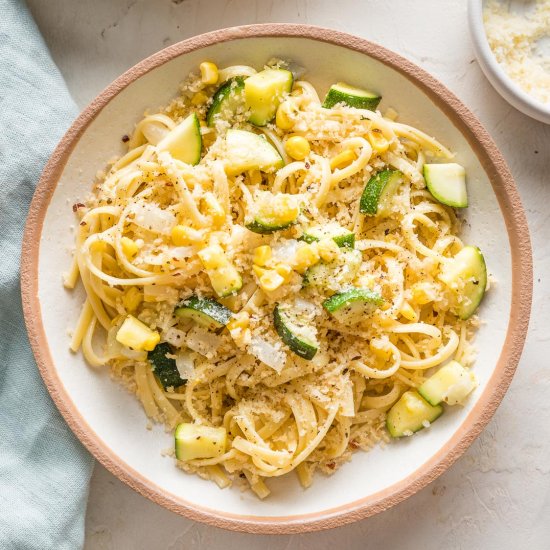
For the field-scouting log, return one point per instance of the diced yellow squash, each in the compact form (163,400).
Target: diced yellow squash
(195,441)
(224,277)
(305,257)
(137,335)
(271,280)
(328,249)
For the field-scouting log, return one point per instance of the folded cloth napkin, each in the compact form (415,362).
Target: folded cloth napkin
(44,470)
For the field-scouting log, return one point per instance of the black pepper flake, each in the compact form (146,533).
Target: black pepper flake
(386,232)
(125,138)
(82,223)
(77,205)
(307,165)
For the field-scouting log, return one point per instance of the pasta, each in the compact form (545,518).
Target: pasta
(160,237)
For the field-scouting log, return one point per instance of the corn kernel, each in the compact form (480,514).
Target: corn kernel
(377,140)
(239,320)
(214,209)
(183,235)
(305,257)
(129,247)
(199,98)
(297,147)
(380,349)
(209,72)
(328,250)
(408,312)
(342,159)
(284,270)
(238,328)
(262,255)
(271,280)
(132,298)
(282,118)
(421,293)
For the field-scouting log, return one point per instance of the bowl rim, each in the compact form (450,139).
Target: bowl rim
(518,234)
(509,90)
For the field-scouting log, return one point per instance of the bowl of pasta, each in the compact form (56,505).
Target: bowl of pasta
(276,278)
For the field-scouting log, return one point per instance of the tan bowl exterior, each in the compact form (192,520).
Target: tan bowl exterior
(518,234)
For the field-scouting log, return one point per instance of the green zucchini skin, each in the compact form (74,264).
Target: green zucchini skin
(342,300)
(447,183)
(468,264)
(231,90)
(164,367)
(352,97)
(264,92)
(408,415)
(300,346)
(379,190)
(341,236)
(258,226)
(206,312)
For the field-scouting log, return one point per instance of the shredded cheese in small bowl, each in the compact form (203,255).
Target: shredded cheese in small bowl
(510,41)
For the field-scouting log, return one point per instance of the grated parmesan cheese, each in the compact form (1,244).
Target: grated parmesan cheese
(513,38)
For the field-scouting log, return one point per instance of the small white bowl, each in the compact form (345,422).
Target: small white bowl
(503,84)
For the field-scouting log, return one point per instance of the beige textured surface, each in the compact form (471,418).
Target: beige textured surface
(477,509)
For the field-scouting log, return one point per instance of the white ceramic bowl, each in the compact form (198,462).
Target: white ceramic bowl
(503,84)
(111,423)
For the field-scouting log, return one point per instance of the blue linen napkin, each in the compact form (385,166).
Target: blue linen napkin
(44,470)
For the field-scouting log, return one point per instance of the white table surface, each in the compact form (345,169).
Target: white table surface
(497,496)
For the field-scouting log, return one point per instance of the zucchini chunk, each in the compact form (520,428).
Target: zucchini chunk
(274,213)
(447,183)
(198,441)
(341,236)
(165,368)
(451,383)
(350,306)
(184,142)
(351,96)
(248,151)
(379,191)
(227,100)
(137,335)
(264,92)
(466,274)
(332,276)
(206,312)
(296,333)
(410,414)
(223,275)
